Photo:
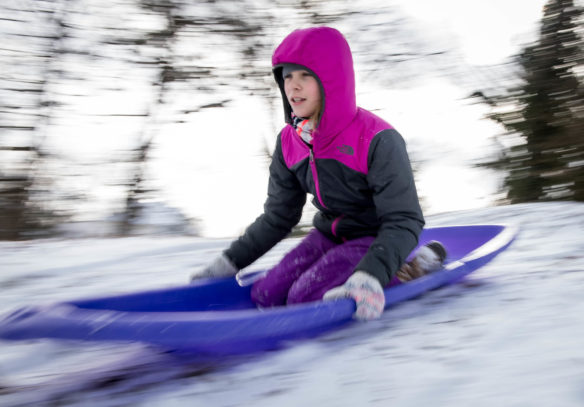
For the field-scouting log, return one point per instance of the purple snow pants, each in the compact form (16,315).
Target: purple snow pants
(309,270)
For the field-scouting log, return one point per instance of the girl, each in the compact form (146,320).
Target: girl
(355,166)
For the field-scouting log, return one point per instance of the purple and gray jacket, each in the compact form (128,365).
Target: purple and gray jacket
(357,168)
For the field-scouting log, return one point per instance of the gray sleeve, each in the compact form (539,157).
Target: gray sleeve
(282,211)
(391,179)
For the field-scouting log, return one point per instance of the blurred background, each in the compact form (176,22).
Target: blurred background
(125,117)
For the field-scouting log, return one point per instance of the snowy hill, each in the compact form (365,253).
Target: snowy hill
(153,218)
(510,334)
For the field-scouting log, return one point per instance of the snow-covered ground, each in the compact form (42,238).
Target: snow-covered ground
(510,334)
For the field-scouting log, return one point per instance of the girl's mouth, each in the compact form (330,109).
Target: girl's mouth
(296,101)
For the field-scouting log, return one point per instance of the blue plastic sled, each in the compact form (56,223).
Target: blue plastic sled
(215,317)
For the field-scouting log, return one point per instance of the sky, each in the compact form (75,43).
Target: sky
(433,116)
(488,31)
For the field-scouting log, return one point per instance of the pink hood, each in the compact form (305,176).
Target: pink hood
(326,53)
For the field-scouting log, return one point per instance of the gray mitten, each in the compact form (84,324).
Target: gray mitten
(367,292)
(220,267)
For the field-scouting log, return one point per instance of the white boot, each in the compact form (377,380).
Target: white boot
(428,258)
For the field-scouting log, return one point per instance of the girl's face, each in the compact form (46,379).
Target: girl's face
(303,93)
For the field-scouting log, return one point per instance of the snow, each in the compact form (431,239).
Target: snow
(153,218)
(510,334)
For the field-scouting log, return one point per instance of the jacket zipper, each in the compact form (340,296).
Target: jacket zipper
(318,196)
(315,177)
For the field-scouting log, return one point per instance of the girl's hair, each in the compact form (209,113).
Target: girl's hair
(315,117)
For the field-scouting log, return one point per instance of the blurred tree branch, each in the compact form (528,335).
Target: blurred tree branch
(543,153)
